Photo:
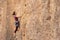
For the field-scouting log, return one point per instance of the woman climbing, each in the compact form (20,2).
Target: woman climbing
(17,24)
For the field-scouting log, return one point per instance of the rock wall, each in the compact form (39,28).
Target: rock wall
(3,11)
(39,20)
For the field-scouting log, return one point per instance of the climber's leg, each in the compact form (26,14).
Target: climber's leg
(17,25)
(16,29)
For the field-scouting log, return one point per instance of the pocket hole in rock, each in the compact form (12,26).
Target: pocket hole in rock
(48,18)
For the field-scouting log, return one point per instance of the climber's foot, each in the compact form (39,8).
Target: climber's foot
(14,31)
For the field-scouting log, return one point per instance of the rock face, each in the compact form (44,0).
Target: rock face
(3,12)
(39,20)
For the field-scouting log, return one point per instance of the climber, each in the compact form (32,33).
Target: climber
(17,24)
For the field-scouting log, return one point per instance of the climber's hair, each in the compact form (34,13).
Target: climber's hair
(14,13)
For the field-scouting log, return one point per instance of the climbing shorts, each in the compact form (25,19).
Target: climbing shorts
(17,23)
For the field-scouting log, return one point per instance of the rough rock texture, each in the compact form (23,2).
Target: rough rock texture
(3,11)
(40,19)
